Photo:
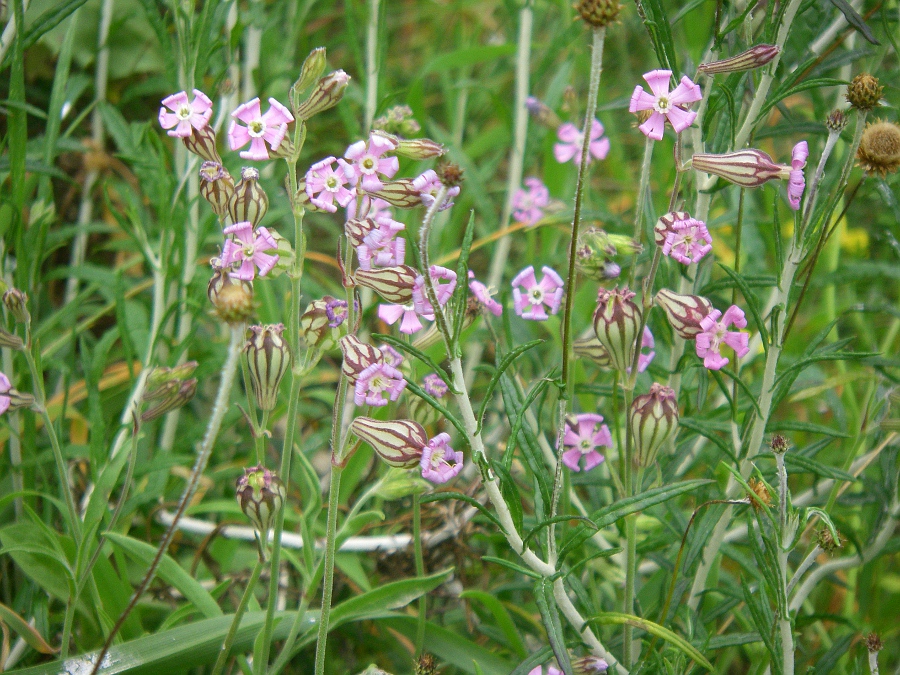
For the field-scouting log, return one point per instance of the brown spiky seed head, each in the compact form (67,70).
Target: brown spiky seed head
(450,174)
(879,148)
(779,444)
(836,121)
(864,92)
(598,13)
(759,494)
(873,643)
(827,541)
(425,665)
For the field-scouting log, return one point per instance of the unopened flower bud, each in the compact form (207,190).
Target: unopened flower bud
(326,94)
(400,193)
(827,541)
(216,186)
(595,249)
(202,142)
(598,13)
(310,71)
(836,121)
(232,298)
(590,348)
(398,442)
(261,495)
(653,418)
(879,148)
(170,396)
(418,148)
(759,494)
(684,312)
(17,304)
(358,356)
(755,57)
(398,120)
(616,323)
(161,376)
(394,284)
(248,202)
(542,113)
(268,359)
(864,92)
(748,168)
(779,444)
(589,665)
(873,643)
(7,339)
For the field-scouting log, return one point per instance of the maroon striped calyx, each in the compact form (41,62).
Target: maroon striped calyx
(358,356)
(249,201)
(616,323)
(684,312)
(653,418)
(398,442)
(261,495)
(748,168)
(755,57)
(268,359)
(394,284)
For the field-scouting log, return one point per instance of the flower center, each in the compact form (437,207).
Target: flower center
(249,250)
(368,164)
(537,296)
(663,105)
(332,184)
(184,112)
(586,446)
(378,383)
(437,458)
(256,128)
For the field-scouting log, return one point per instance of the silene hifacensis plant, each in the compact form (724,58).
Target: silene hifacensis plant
(487,342)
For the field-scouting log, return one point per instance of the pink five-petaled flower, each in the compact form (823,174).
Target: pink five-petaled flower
(428,185)
(715,332)
(249,248)
(571,140)
(186,115)
(584,434)
(391,356)
(382,247)
(435,386)
(375,381)
(528,203)
(796,179)
(325,185)
(368,161)
(665,104)
(530,304)
(482,295)
(688,241)
(443,292)
(261,129)
(5,386)
(436,460)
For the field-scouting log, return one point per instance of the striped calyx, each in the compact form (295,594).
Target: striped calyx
(248,202)
(202,142)
(216,186)
(590,348)
(358,356)
(616,323)
(666,224)
(357,229)
(400,193)
(398,442)
(326,93)
(748,168)
(268,359)
(755,57)
(394,284)
(653,417)
(167,389)
(260,494)
(684,312)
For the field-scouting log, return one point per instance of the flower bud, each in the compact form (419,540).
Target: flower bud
(779,444)
(232,298)
(357,230)
(260,494)
(616,323)
(161,377)
(216,186)
(873,643)
(836,121)
(755,57)
(18,399)
(173,394)
(589,665)
(542,113)
(268,359)
(684,312)
(827,541)
(598,13)
(7,339)
(326,94)
(864,92)
(398,120)
(202,142)
(425,665)
(17,304)
(653,417)
(358,356)
(249,201)
(416,148)
(747,168)
(398,442)
(590,348)
(400,193)
(596,249)
(310,71)
(394,284)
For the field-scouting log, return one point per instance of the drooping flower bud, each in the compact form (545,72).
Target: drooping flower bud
(310,71)
(232,298)
(595,251)
(598,13)
(394,284)
(400,193)
(358,356)
(167,389)
(7,339)
(864,92)
(326,94)
(616,323)
(684,312)
(748,168)
(17,304)
(416,148)
(755,57)
(249,201)
(261,495)
(202,142)
(398,442)
(268,359)
(216,186)
(590,348)
(653,417)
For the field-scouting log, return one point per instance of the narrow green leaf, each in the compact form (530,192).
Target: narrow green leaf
(393,595)
(624,507)
(413,351)
(27,632)
(50,20)
(501,618)
(505,363)
(855,20)
(512,566)
(471,501)
(433,402)
(795,425)
(618,619)
(543,595)
(550,521)
(803,464)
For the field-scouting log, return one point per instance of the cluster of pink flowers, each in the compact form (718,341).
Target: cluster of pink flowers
(444,282)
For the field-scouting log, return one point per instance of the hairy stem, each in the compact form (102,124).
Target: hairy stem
(236,621)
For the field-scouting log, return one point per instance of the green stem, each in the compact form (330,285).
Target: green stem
(239,613)
(334,492)
(420,572)
(643,187)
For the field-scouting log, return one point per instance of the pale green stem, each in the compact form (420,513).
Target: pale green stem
(236,621)
(420,572)
(643,187)
(784,619)
(803,567)
(328,580)
(371,64)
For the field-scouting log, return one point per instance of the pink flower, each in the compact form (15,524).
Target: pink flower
(372,207)
(715,332)
(376,381)
(261,129)
(443,291)
(482,295)
(436,460)
(584,434)
(391,356)
(687,241)
(249,249)
(186,115)
(796,180)
(527,204)
(382,247)
(428,185)
(336,311)
(551,670)
(368,161)
(406,314)
(435,386)
(647,342)
(325,186)
(549,291)
(665,104)
(571,139)
(5,386)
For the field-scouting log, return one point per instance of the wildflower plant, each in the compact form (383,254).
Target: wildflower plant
(460,362)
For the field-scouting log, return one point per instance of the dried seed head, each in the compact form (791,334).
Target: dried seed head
(398,442)
(17,304)
(759,494)
(260,494)
(873,643)
(598,13)
(216,186)
(653,417)
(836,121)
(232,299)
(827,541)
(616,322)
(268,359)
(450,174)
(779,444)
(879,148)
(425,665)
(248,201)
(864,92)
